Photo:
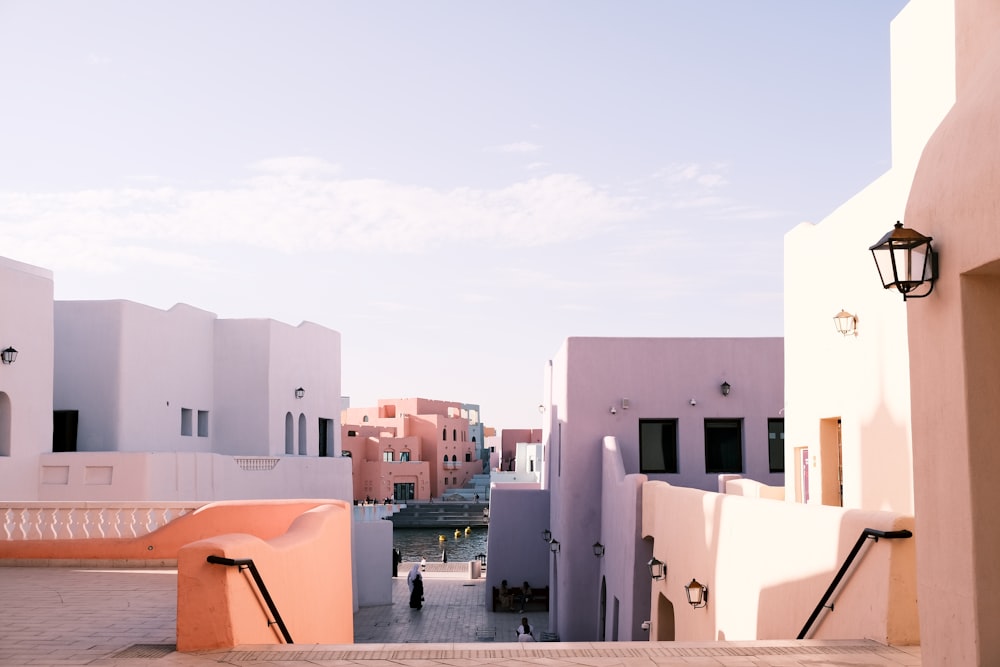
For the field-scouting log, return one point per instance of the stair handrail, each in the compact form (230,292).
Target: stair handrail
(866,534)
(248,564)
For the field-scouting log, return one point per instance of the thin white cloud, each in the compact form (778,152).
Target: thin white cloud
(534,166)
(515,147)
(96,60)
(295,205)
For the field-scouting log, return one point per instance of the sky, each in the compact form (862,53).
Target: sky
(456,187)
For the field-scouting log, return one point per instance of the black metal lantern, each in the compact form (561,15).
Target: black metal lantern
(657,569)
(554,546)
(300,392)
(724,388)
(697,594)
(8,355)
(906,262)
(598,549)
(547,535)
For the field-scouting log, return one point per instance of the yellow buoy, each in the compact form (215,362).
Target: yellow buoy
(440,538)
(457,533)
(468,530)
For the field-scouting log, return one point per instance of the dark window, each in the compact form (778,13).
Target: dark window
(404,456)
(445,458)
(444,434)
(468,456)
(723,446)
(658,445)
(454,435)
(365,419)
(776,444)
(454,458)
(351,434)
(186,421)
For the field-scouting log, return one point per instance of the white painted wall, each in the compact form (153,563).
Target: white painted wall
(863,380)
(25,385)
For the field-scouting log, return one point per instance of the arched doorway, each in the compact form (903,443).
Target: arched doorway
(665,631)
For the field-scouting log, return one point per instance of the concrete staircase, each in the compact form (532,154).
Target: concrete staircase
(440,514)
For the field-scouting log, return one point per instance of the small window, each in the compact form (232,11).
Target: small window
(444,434)
(454,435)
(454,458)
(404,456)
(186,421)
(723,446)
(445,458)
(365,419)
(776,444)
(346,453)
(468,456)
(351,434)
(387,456)
(658,445)
(203,423)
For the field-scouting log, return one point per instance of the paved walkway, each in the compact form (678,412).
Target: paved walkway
(126,618)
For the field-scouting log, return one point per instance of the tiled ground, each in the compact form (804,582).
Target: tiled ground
(125,618)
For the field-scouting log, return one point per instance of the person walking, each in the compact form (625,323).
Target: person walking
(416,583)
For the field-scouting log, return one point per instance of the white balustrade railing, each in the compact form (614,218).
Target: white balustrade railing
(71,521)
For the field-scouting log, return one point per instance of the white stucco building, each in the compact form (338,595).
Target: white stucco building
(117,401)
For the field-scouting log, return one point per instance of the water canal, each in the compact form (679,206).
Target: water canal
(417,543)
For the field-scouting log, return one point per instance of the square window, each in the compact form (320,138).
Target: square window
(203,423)
(724,446)
(186,421)
(658,445)
(776,444)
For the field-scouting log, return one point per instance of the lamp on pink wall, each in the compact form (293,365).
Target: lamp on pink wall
(725,387)
(300,392)
(598,549)
(846,323)
(697,594)
(906,262)
(8,355)
(657,568)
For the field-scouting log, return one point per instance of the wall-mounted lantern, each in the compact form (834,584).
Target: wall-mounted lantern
(598,549)
(724,388)
(300,392)
(547,535)
(846,323)
(905,261)
(554,546)
(8,355)
(657,569)
(697,594)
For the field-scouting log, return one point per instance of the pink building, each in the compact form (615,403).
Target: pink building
(413,448)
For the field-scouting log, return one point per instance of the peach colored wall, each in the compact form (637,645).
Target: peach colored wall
(955,359)
(264,519)
(769,591)
(864,380)
(307,572)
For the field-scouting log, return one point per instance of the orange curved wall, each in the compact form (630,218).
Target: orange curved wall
(265,519)
(307,572)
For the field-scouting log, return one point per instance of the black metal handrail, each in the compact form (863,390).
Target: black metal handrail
(247,564)
(866,534)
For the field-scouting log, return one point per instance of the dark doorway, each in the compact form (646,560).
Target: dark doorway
(325,436)
(64,427)
(403,491)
